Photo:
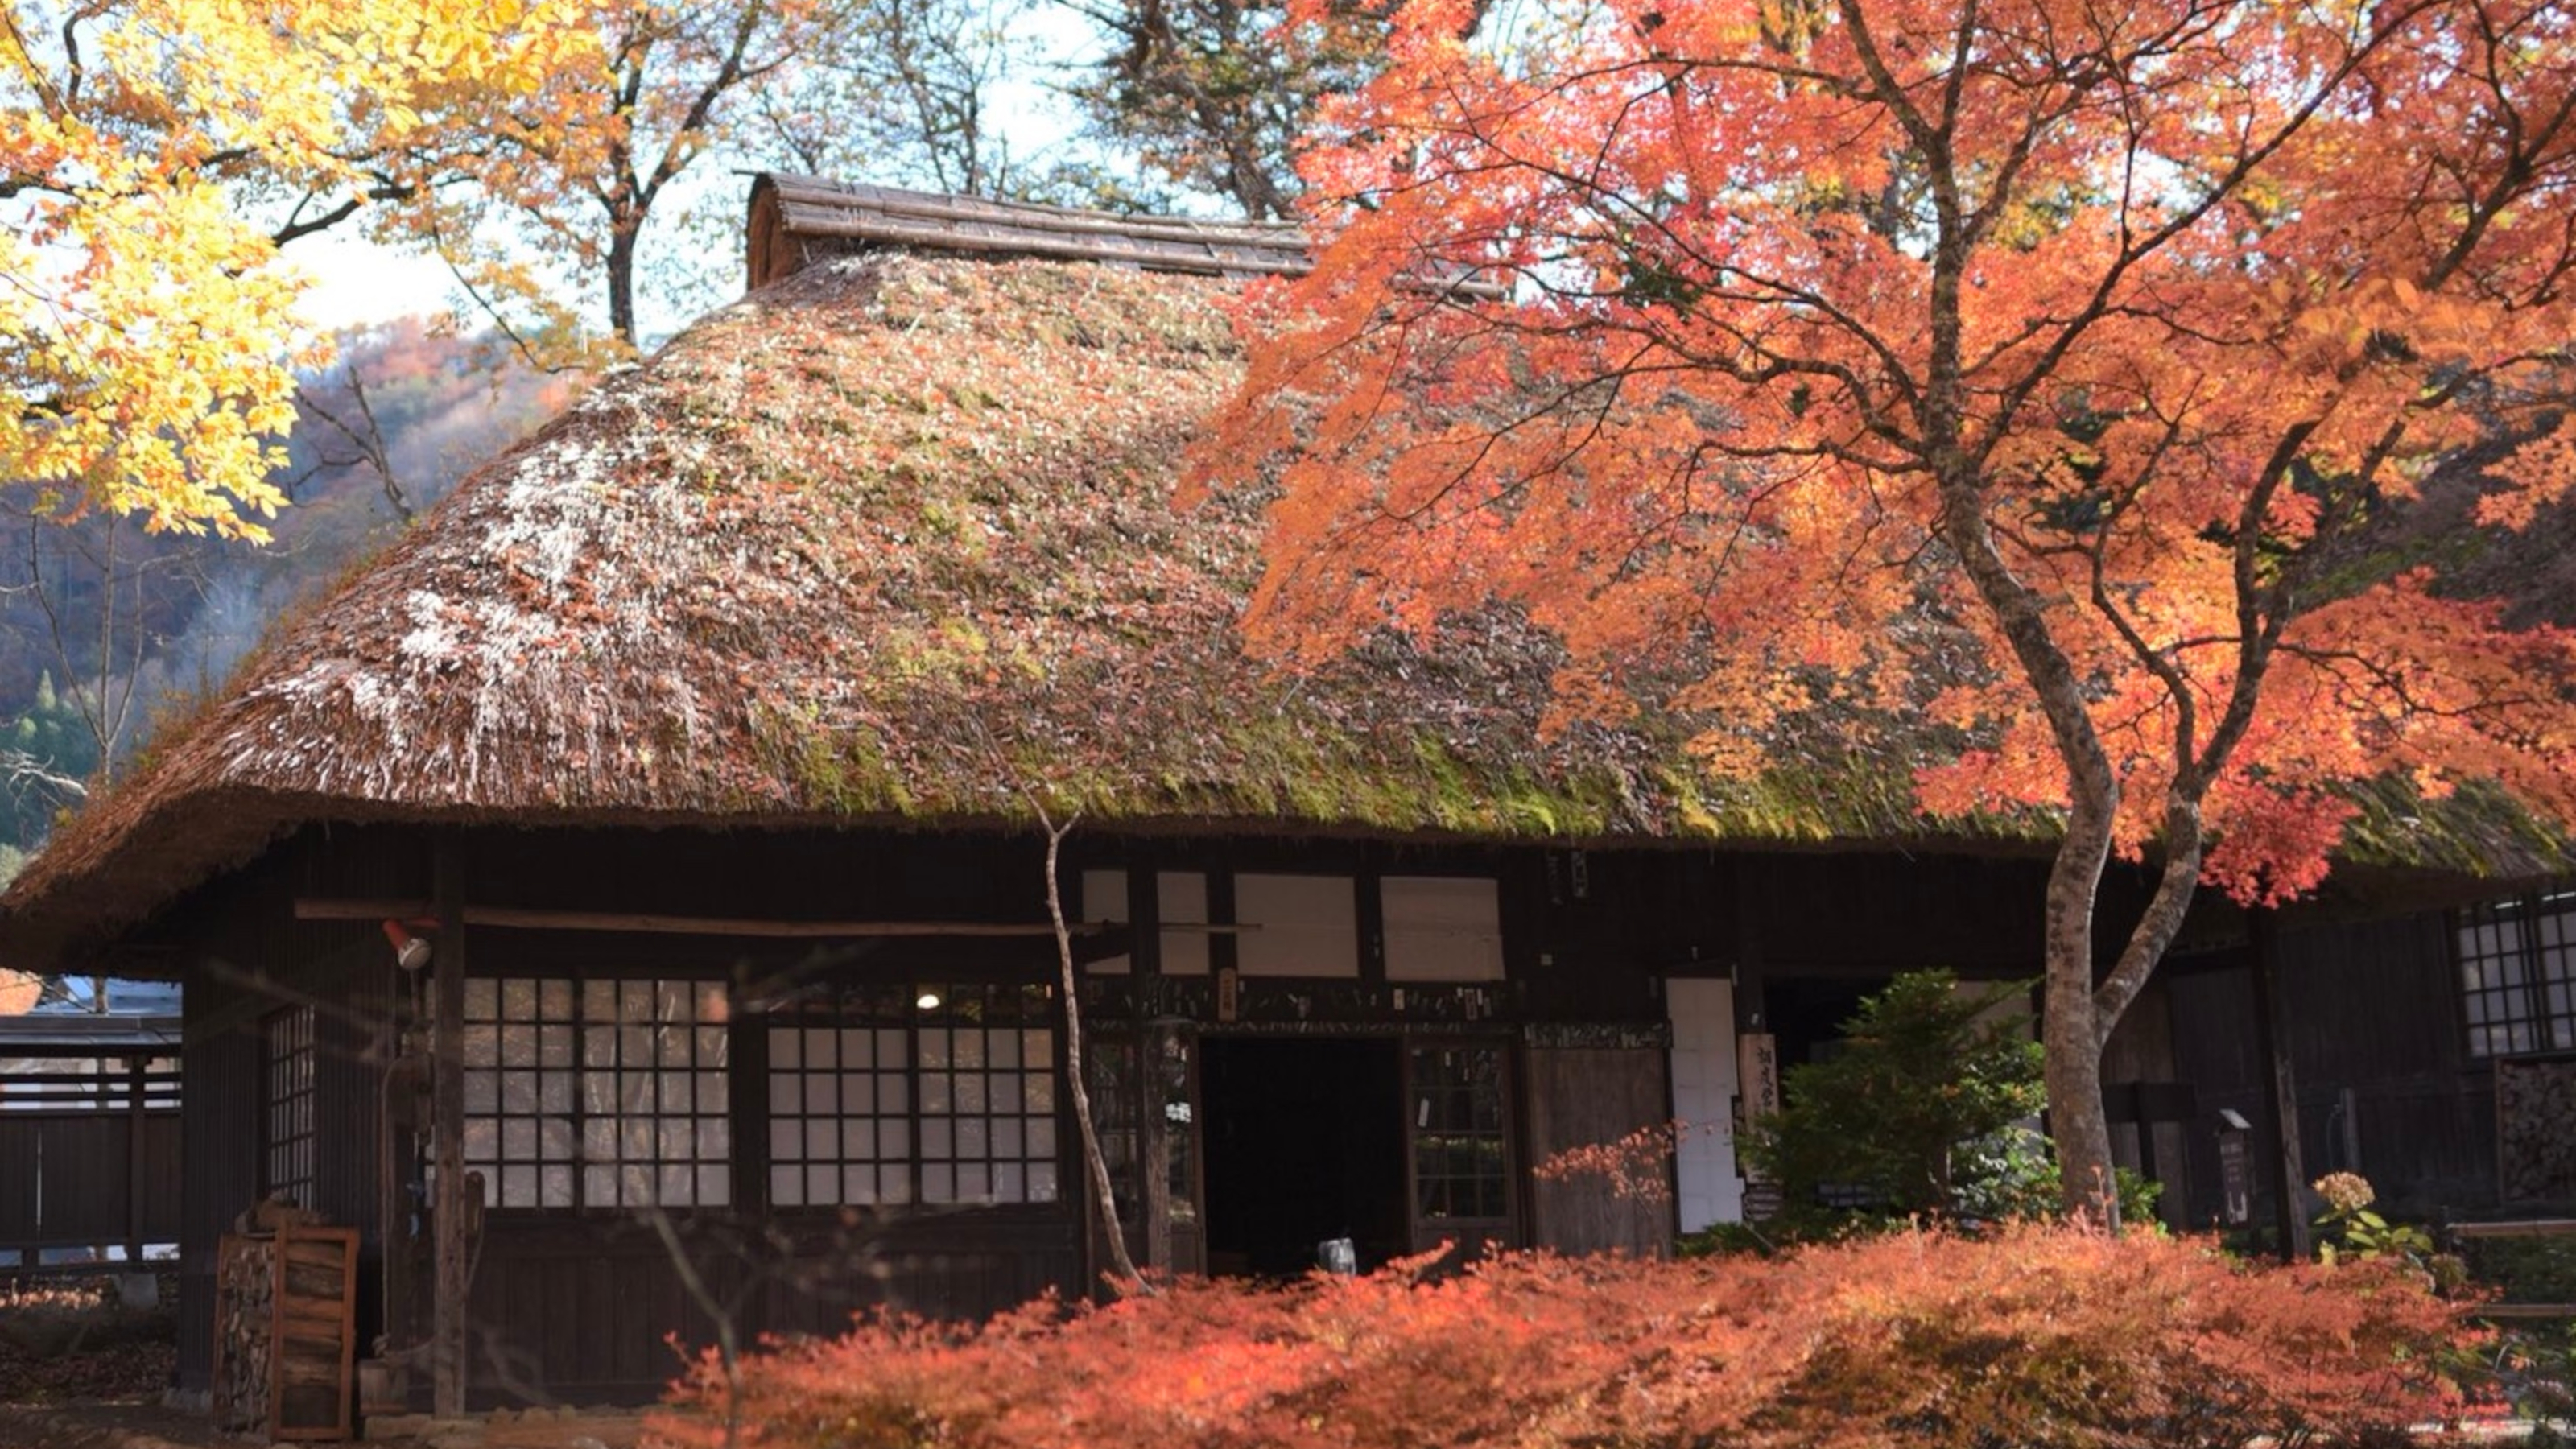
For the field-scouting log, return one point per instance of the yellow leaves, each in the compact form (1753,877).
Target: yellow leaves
(148,331)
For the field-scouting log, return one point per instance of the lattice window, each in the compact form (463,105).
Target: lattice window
(598,1094)
(893,1094)
(287,1061)
(1460,1169)
(2518,974)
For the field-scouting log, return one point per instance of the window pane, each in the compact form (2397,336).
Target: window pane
(873,1074)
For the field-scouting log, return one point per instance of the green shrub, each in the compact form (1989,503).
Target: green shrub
(1922,1115)
(2525,1270)
(1914,1117)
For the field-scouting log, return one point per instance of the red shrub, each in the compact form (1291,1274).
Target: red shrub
(2035,1337)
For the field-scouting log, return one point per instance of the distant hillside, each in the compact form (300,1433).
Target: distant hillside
(105,628)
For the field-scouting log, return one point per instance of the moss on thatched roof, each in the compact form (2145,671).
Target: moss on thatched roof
(895,540)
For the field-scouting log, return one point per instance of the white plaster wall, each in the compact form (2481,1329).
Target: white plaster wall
(1703,1013)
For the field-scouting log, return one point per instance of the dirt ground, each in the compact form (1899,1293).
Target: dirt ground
(71,1341)
(150,1426)
(79,1370)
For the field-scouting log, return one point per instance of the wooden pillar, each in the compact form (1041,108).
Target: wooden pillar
(397,1119)
(2280,1090)
(447,1135)
(1153,1133)
(134,1119)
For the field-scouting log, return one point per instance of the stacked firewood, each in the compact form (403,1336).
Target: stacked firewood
(285,1331)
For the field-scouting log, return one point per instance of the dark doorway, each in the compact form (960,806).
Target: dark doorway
(1806,1014)
(1305,1141)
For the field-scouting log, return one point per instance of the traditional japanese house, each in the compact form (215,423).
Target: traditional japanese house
(643,854)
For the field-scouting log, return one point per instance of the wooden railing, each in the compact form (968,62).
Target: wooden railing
(2526,1228)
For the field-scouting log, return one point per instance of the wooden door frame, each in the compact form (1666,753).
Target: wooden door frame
(1514,1223)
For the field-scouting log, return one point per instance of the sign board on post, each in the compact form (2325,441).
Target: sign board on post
(1757,1070)
(2235,1176)
(1757,1075)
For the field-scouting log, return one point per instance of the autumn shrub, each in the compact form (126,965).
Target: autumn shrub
(2029,1338)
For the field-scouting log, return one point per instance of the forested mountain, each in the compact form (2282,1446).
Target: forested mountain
(106,628)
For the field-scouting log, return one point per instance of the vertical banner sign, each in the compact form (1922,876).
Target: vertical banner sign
(2236,1181)
(1757,1074)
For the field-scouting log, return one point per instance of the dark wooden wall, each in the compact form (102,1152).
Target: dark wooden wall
(586,1310)
(219,1106)
(242,957)
(2385,1085)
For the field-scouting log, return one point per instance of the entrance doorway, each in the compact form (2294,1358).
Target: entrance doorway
(1304,1142)
(1807,1014)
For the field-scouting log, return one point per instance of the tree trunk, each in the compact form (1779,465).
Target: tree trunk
(2072,1030)
(621,278)
(1077,1078)
(2076,1121)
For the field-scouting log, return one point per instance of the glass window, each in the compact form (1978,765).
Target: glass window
(2517,962)
(882,1095)
(597,1093)
(1459,1165)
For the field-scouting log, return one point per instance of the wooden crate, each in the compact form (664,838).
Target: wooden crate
(286,1318)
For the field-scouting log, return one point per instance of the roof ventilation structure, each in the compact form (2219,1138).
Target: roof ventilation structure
(799,220)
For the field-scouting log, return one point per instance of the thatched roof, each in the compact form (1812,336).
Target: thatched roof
(894,541)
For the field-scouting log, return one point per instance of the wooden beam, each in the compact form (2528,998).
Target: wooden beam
(309,908)
(2280,1087)
(2520,1228)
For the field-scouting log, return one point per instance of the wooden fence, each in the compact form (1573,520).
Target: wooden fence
(89,1161)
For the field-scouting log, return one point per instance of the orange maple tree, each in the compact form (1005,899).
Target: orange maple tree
(2048,383)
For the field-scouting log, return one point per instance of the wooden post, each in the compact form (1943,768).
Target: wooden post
(2280,1090)
(1153,1133)
(447,1135)
(134,1104)
(398,1156)
(1154,1148)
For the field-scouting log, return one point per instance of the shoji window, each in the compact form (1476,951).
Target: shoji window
(886,1095)
(597,1094)
(287,1062)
